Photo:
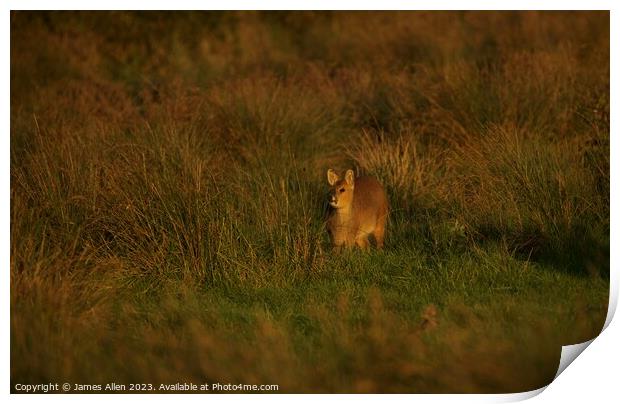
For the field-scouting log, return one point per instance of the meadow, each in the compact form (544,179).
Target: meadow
(168,197)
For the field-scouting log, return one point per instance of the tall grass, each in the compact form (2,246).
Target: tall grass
(168,197)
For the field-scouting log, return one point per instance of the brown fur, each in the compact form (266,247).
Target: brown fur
(359,209)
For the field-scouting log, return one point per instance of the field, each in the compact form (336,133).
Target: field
(168,197)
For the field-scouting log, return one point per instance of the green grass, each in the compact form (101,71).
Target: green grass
(168,197)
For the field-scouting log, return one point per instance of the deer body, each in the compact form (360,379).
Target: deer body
(360,208)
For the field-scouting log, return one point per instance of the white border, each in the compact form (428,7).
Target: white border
(308,5)
(5,369)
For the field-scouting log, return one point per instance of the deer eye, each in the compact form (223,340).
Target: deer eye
(341,190)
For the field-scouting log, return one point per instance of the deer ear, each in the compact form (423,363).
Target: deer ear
(349,177)
(332,177)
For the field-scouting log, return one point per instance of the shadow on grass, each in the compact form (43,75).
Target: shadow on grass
(577,250)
